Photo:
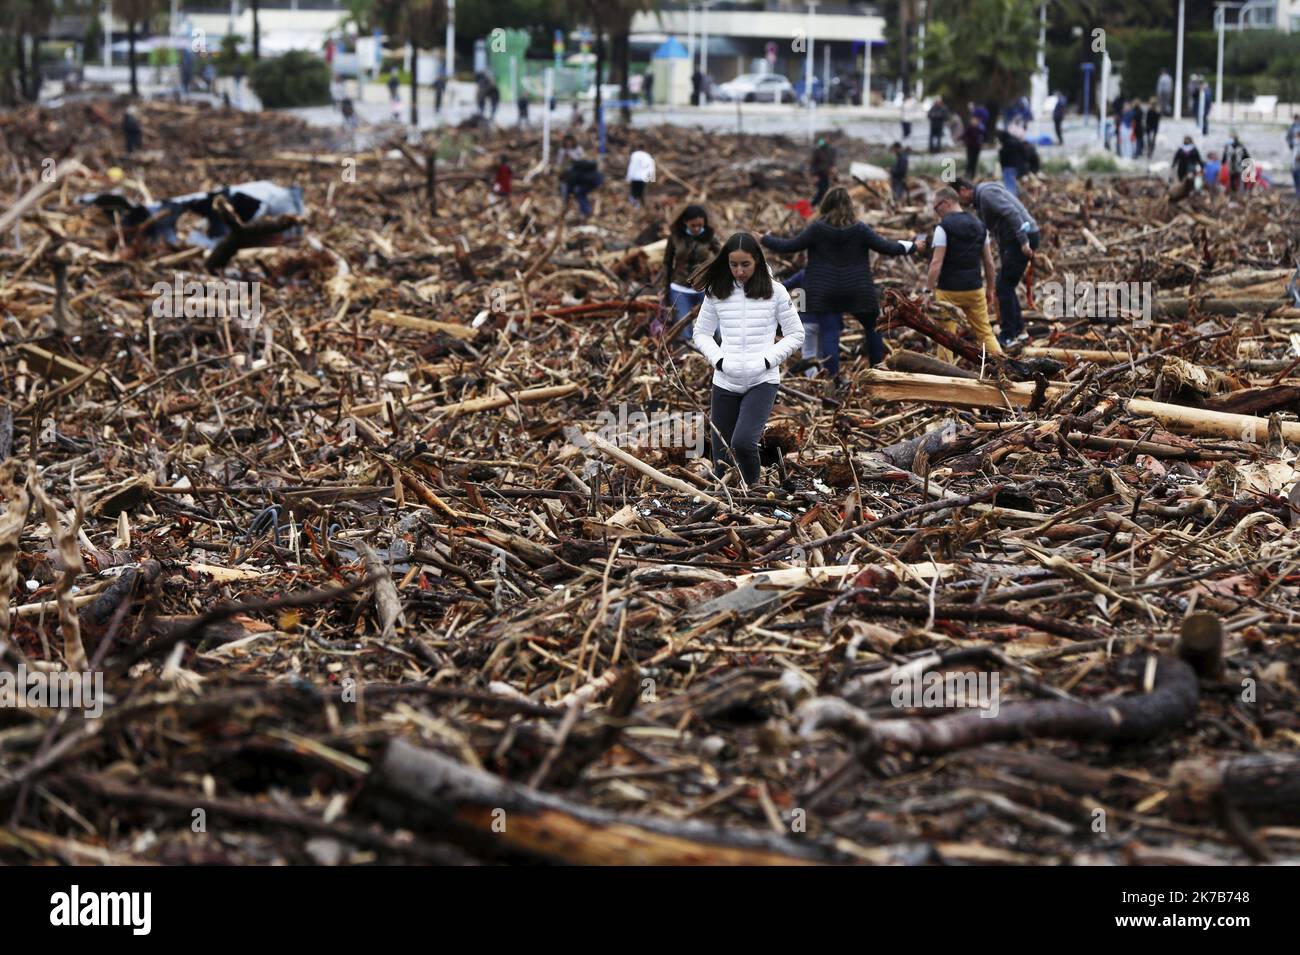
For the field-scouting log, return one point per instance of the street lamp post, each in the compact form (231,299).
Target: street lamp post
(920,52)
(866,74)
(546,116)
(1178,66)
(1040,79)
(690,35)
(704,45)
(449,59)
(808,68)
(1103,94)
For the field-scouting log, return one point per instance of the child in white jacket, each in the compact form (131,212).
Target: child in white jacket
(742,300)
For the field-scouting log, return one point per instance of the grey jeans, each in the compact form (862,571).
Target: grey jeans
(740,419)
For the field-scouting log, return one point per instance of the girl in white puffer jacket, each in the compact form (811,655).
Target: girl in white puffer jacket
(745,303)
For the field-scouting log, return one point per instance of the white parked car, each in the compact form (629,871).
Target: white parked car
(750,87)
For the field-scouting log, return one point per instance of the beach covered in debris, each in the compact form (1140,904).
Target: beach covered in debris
(380,514)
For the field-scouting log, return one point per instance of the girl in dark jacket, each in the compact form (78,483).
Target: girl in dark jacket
(838,276)
(691,243)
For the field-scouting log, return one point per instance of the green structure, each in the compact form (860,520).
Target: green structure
(506,49)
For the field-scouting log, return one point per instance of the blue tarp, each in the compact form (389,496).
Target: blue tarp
(670,49)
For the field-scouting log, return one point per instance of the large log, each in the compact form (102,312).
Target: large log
(1263,786)
(904,360)
(1169,705)
(896,386)
(885,385)
(425,791)
(1256,401)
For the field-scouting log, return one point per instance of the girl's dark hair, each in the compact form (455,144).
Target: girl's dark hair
(690,212)
(837,208)
(715,277)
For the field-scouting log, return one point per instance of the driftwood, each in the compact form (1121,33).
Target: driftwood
(895,386)
(423,790)
(1263,786)
(1169,705)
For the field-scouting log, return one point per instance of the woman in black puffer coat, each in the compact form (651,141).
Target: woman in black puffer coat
(838,276)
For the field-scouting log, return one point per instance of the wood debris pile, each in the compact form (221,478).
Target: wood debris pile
(374,578)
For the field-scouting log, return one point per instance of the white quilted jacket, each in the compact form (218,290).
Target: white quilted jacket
(748,337)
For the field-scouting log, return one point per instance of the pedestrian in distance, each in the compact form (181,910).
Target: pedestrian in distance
(1213,165)
(131,131)
(1152,126)
(838,276)
(521,107)
(938,116)
(1237,158)
(972,138)
(1011,157)
(640,170)
(1187,160)
(746,306)
(1058,117)
(898,173)
(394,96)
(1127,118)
(1165,92)
(1295,166)
(569,151)
(578,182)
(503,178)
(1117,114)
(905,109)
(822,164)
(961,270)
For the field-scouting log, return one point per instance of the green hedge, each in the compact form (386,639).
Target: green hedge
(295,79)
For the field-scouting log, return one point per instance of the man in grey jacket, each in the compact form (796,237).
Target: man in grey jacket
(1018,238)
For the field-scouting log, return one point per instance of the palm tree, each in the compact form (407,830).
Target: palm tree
(27,18)
(136,12)
(618,16)
(989,53)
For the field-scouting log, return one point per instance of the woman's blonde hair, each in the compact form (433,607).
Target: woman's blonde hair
(837,208)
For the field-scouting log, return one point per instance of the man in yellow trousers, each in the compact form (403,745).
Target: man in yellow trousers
(961,270)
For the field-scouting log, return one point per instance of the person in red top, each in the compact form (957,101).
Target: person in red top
(504,175)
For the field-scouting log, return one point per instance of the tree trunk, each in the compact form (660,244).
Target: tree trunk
(21,58)
(904,46)
(623,55)
(130,36)
(415,86)
(600,68)
(257,30)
